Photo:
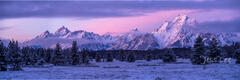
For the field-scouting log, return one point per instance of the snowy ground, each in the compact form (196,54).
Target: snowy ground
(183,70)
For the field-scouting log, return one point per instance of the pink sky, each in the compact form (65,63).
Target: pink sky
(145,23)
(27,28)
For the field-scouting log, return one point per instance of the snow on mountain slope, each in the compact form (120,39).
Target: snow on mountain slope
(175,30)
(222,38)
(125,39)
(109,38)
(65,37)
(65,43)
(131,35)
(135,40)
(83,34)
(143,42)
(45,35)
(175,33)
(179,33)
(62,31)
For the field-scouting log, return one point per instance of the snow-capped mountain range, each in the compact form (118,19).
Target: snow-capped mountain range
(66,37)
(176,33)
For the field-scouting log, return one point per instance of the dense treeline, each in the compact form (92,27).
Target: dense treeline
(12,57)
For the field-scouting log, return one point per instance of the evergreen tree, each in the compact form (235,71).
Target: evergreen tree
(68,56)
(214,53)
(85,56)
(235,47)
(75,55)
(41,51)
(3,58)
(169,56)
(109,57)
(98,57)
(59,58)
(149,56)
(131,57)
(198,55)
(2,48)
(15,56)
(40,58)
(49,56)
(237,54)
(122,55)
(35,56)
(26,55)
(229,51)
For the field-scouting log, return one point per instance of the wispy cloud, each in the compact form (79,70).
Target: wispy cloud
(30,18)
(220,26)
(3,28)
(100,9)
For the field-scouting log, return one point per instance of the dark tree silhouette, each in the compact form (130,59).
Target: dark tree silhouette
(122,55)
(26,55)
(109,57)
(131,57)
(84,56)
(98,57)
(49,55)
(214,53)
(75,56)
(3,57)
(169,56)
(15,56)
(59,58)
(149,56)
(198,55)
(237,53)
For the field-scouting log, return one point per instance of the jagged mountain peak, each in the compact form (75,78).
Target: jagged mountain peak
(184,21)
(175,33)
(179,33)
(181,19)
(62,31)
(44,34)
(181,22)
(172,31)
(136,29)
(133,33)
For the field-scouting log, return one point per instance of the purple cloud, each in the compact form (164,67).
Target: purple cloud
(96,9)
(220,26)
(4,28)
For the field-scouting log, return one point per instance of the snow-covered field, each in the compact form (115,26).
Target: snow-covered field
(141,70)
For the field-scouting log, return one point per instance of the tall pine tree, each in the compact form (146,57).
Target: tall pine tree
(198,55)
(14,55)
(98,57)
(75,55)
(148,56)
(85,56)
(122,55)
(3,57)
(59,58)
(26,55)
(49,55)
(109,57)
(237,54)
(131,57)
(214,53)
(169,56)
